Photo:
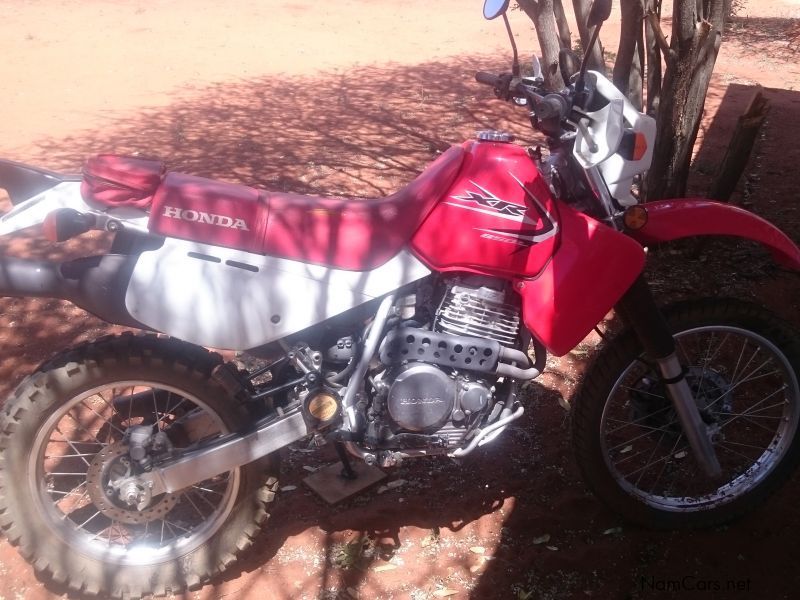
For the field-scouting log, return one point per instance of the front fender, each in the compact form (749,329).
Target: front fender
(675,219)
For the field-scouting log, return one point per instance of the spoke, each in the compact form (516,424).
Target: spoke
(72,492)
(72,446)
(627,387)
(199,512)
(732,451)
(749,416)
(174,408)
(706,360)
(82,428)
(130,408)
(155,408)
(210,491)
(630,441)
(752,408)
(739,360)
(632,424)
(49,456)
(743,445)
(108,404)
(83,403)
(747,364)
(730,389)
(650,458)
(204,499)
(663,467)
(759,425)
(662,459)
(171,530)
(86,522)
(640,419)
(77,504)
(171,524)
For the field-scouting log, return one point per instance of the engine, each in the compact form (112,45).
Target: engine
(440,381)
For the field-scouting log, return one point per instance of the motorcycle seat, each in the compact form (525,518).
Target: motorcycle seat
(355,234)
(344,233)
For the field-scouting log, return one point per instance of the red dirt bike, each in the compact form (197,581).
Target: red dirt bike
(393,329)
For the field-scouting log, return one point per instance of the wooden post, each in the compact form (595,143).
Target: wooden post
(740,147)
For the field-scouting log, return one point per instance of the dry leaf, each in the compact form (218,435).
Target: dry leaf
(553,548)
(445,592)
(681,454)
(478,549)
(626,449)
(612,530)
(542,539)
(288,488)
(475,568)
(310,469)
(382,568)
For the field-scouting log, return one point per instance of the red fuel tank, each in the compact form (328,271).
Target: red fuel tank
(498,217)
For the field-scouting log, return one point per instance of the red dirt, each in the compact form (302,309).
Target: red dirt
(354,97)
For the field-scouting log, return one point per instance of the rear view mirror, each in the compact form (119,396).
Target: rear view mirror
(600,11)
(494,8)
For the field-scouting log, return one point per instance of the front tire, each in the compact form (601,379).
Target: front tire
(62,444)
(742,364)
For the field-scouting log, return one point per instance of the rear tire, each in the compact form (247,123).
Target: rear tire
(630,448)
(77,402)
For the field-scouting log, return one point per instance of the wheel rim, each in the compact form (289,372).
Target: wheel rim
(748,395)
(64,474)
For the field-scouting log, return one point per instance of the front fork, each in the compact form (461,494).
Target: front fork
(638,310)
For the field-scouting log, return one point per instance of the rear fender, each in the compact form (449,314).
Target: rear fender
(67,194)
(22,182)
(669,220)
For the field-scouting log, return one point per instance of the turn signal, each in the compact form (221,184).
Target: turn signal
(639,146)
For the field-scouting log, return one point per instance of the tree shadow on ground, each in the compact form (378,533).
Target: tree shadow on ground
(367,133)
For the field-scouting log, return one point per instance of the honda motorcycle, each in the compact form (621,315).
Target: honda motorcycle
(392,329)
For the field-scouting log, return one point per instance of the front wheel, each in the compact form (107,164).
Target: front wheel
(742,364)
(64,455)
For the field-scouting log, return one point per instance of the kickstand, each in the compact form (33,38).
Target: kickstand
(347,468)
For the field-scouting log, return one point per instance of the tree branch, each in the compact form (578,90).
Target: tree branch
(661,39)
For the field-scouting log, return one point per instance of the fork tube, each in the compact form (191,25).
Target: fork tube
(638,310)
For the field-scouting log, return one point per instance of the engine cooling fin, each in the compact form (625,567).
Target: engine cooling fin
(478,312)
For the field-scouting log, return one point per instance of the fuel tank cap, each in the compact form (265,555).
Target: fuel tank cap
(492,135)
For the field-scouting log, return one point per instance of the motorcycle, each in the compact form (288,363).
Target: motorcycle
(392,329)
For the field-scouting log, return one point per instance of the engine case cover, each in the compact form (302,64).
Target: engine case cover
(421,398)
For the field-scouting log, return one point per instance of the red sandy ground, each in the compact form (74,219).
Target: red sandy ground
(354,97)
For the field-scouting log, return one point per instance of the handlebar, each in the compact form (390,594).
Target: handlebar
(486,78)
(547,110)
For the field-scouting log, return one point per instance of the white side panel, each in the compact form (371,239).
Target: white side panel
(65,195)
(206,294)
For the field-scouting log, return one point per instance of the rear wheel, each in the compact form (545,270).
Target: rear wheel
(742,366)
(64,454)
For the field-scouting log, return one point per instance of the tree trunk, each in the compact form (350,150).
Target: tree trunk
(541,13)
(741,145)
(596,61)
(564,34)
(627,74)
(653,60)
(692,54)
